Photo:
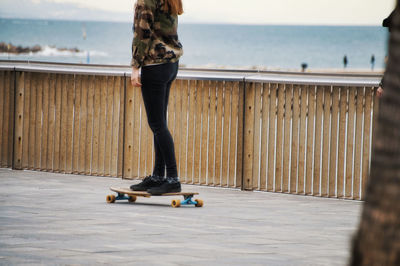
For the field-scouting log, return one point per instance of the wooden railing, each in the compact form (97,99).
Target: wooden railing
(313,140)
(301,135)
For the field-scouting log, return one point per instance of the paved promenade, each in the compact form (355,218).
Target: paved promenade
(50,219)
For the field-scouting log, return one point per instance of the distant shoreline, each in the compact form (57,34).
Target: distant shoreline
(13,49)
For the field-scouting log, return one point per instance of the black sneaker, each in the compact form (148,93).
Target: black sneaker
(147,183)
(169,185)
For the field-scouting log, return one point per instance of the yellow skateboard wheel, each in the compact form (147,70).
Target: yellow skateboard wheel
(132,199)
(200,203)
(110,199)
(175,203)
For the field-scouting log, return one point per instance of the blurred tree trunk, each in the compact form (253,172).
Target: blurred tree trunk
(377,241)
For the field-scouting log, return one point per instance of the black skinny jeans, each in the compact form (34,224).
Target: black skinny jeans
(156,83)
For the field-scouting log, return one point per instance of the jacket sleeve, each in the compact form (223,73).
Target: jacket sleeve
(142,31)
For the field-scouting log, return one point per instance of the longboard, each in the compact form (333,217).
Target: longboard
(131,196)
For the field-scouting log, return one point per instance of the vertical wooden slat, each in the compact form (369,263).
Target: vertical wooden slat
(45,128)
(256,140)
(342,142)
(129,129)
(3,113)
(19,120)
(83,121)
(218,137)
(211,133)
(204,129)
(115,127)
(121,126)
(286,143)
(197,142)
(69,128)
(77,124)
(350,143)
(51,127)
(366,140)
(32,122)
(249,136)
(325,141)
(63,122)
(302,140)
(317,150)
(184,131)
(6,113)
(239,167)
(271,137)
(57,124)
(11,120)
(136,131)
(264,136)
(103,124)
(25,134)
(334,144)
(178,127)
(97,111)
(310,140)
(225,136)
(108,122)
(358,140)
(64,119)
(376,101)
(295,139)
(279,138)
(89,127)
(233,136)
(190,146)
(38,120)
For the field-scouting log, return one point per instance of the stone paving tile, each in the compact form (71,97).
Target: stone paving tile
(48,218)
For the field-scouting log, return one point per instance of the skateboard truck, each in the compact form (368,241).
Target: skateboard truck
(188,201)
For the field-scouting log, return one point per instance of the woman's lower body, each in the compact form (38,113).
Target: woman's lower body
(156,83)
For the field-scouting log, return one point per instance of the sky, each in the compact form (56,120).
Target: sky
(286,12)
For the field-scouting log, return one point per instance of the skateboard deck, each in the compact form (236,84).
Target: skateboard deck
(131,196)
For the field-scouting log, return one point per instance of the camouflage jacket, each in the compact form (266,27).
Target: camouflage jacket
(155,39)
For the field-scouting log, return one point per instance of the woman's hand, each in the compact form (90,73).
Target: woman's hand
(135,80)
(379,92)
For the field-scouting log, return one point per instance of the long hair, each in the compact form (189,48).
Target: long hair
(174,7)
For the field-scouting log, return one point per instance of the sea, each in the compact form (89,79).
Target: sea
(263,47)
